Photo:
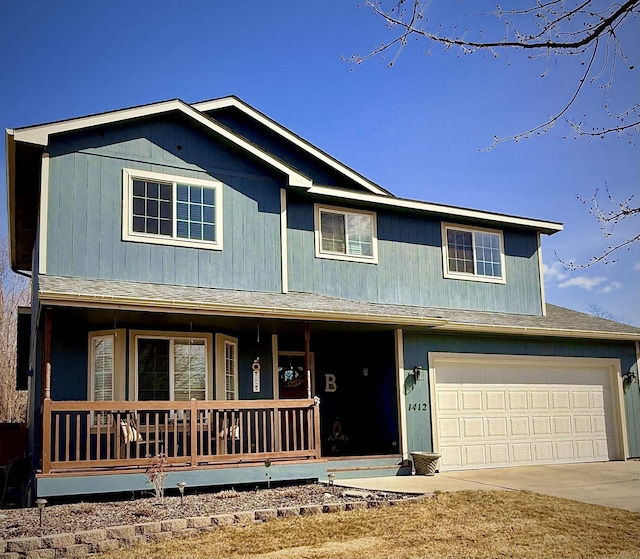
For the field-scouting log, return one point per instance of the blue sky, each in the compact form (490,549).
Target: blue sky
(417,129)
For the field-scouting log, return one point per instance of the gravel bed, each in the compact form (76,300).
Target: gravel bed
(75,517)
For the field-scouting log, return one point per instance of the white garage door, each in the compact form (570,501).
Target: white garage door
(494,411)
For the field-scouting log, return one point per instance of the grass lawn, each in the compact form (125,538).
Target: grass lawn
(465,524)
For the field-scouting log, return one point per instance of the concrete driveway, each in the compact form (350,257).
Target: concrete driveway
(612,484)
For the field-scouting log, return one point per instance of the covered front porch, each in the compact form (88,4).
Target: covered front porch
(270,400)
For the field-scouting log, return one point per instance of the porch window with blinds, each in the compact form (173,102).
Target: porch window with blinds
(346,235)
(103,367)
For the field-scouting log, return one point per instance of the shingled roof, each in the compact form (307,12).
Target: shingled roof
(97,293)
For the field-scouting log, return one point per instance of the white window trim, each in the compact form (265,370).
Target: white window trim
(127,211)
(171,336)
(474,276)
(221,387)
(373,259)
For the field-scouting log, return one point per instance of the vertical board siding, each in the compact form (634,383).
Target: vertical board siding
(410,267)
(418,345)
(84,237)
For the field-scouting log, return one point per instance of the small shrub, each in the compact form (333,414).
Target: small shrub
(157,474)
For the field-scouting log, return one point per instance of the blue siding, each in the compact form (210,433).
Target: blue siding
(274,143)
(418,345)
(85,209)
(410,268)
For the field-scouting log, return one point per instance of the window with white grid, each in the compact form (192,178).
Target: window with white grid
(168,209)
(473,254)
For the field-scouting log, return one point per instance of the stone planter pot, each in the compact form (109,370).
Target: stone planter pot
(425,462)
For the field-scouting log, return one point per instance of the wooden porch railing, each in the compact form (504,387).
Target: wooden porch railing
(89,436)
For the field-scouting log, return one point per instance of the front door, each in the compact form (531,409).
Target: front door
(293,380)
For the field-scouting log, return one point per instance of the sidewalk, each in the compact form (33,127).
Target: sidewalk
(612,484)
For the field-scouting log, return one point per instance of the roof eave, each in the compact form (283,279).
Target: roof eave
(83,300)
(39,134)
(539,332)
(546,227)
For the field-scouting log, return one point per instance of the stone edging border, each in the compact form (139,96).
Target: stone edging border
(81,544)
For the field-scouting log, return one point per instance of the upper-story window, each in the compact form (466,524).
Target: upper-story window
(346,234)
(173,210)
(475,254)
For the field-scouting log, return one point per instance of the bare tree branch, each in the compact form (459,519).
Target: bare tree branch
(545,29)
(608,218)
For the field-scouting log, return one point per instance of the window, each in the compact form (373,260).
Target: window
(475,254)
(171,366)
(226,367)
(345,235)
(165,209)
(106,368)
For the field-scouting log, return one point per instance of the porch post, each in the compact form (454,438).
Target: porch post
(402,407)
(45,378)
(307,357)
(46,435)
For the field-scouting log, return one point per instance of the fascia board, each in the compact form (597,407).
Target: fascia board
(547,227)
(40,134)
(536,331)
(226,102)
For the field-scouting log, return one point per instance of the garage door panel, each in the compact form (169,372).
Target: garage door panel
(518,400)
(519,426)
(498,454)
(541,425)
(503,415)
(564,451)
(543,451)
(447,400)
(449,428)
(473,427)
(475,455)
(497,427)
(561,425)
(471,400)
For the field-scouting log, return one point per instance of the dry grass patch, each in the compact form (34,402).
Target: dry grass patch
(466,524)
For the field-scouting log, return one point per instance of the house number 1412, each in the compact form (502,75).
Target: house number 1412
(418,407)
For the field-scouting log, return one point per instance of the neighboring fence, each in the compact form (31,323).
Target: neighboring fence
(83,436)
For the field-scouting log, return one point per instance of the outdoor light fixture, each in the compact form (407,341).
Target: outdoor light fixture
(41,503)
(417,371)
(181,486)
(630,376)
(331,478)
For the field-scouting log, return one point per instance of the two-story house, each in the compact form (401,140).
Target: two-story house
(209,285)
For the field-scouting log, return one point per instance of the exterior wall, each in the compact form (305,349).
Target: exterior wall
(418,345)
(410,267)
(84,234)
